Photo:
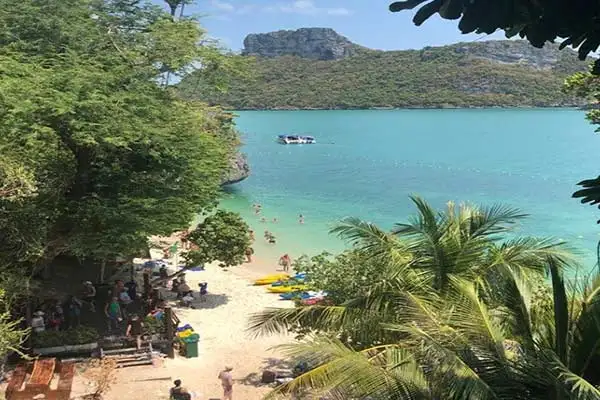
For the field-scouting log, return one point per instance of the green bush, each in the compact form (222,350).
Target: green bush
(153,326)
(80,335)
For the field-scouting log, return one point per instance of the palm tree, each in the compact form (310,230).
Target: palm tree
(459,348)
(453,317)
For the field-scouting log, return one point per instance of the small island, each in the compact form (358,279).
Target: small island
(316,68)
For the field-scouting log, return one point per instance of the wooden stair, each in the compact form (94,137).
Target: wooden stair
(130,356)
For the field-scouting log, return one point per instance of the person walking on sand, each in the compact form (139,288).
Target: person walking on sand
(227,383)
(285,261)
(249,252)
(134,329)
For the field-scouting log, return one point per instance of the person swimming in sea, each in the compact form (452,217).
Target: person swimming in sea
(301,218)
(270,238)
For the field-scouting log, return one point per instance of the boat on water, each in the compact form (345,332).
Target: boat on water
(296,139)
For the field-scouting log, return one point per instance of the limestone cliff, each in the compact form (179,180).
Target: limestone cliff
(312,43)
(239,170)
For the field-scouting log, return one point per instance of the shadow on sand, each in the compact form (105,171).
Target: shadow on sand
(278,366)
(210,301)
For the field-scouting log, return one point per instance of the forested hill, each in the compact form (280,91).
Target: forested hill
(489,73)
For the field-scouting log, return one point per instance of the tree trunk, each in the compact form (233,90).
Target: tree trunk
(102,270)
(181,11)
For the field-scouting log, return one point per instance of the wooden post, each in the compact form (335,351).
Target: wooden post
(102,268)
(170,331)
(147,286)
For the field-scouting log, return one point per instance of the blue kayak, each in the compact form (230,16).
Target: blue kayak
(294,295)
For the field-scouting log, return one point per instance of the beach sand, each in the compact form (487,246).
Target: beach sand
(222,323)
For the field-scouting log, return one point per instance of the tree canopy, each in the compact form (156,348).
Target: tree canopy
(97,152)
(540,22)
(223,236)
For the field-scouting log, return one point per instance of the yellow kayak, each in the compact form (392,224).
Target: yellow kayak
(287,289)
(270,279)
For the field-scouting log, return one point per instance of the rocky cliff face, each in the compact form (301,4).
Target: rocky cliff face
(313,43)
(239,170)
(513,52)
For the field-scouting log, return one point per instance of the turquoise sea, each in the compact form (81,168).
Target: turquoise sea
(366,164)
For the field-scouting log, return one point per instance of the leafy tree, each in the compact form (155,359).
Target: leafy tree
(521,340)
(223,237)
(323,273)
(114,156)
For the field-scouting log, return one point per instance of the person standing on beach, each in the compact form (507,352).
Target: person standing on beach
(249,252)
(113,314)
(285,261)
(227,383)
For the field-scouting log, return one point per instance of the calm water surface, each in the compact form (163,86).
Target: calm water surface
(368,162)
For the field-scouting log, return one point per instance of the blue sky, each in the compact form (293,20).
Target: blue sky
(366,22)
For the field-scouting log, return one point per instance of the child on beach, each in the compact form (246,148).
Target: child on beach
(112,311)
(178,392)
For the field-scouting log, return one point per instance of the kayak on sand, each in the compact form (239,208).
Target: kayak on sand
(270,279)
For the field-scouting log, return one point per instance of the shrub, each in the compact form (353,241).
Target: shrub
(79,335)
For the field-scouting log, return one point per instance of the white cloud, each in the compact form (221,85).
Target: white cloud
(223,6)
(339,11)
(308,7)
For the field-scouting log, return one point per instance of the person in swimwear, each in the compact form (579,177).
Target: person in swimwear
(227,383)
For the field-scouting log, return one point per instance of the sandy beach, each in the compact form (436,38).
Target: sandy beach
(222,323)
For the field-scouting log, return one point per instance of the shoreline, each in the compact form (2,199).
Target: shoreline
(414,108)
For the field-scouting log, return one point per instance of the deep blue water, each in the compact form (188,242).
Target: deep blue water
(368,162)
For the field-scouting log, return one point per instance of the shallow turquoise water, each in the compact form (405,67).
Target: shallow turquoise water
(368,162)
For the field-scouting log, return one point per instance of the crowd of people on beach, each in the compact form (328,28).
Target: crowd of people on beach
(121,310)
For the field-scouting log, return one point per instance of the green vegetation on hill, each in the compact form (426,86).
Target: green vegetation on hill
(432,77)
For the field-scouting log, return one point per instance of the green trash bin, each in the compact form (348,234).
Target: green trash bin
(191,345)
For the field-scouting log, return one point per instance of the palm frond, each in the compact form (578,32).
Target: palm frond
(514,293)
(368,237)
(585,335)
(529,253)
(381,372)
(471,318)
(281,320)
(568,384)
(453,377)
(426,221)
(493,220)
